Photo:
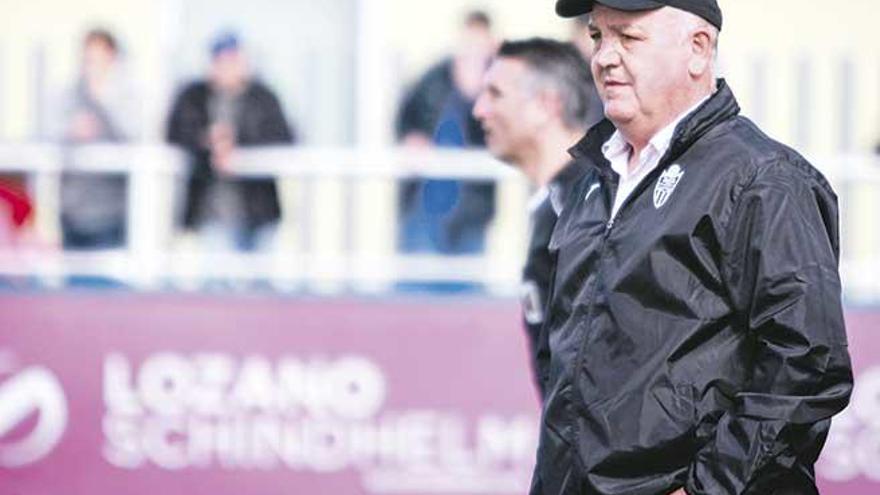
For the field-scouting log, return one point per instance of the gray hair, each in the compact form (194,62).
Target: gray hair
(558,65)
(696,22)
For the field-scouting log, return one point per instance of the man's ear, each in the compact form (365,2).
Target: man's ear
(702,50)
(551,104)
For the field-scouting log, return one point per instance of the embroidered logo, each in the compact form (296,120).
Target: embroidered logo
(666,185)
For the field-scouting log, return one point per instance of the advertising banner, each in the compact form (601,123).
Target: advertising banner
(137,394)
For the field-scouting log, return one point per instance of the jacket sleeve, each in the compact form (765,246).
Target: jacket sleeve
(187,123)
(779,256)
(274,128)
(542,342)
(422,103)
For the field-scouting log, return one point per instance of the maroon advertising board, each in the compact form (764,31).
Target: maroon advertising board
(147,394)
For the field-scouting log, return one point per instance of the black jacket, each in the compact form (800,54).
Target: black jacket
(697,339)
(261,122)
(423,103)
(539,261)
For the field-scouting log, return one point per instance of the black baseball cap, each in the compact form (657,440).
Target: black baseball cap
(707,9)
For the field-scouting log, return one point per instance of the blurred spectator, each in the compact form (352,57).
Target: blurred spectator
(580,37)
(448,216)
(15,212)
(211,118)
(534,106)
(101,107)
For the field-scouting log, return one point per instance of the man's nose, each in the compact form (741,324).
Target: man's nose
(479,111)
(606,55)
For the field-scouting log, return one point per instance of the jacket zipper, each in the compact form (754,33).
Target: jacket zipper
(609,227)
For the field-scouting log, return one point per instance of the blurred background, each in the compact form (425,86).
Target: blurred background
(279,182)
(341,183)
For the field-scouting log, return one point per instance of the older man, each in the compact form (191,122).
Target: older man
(695,340)
(534,105)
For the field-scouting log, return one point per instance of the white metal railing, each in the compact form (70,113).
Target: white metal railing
(338,228)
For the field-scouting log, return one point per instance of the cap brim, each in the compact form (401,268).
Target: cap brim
(574,8)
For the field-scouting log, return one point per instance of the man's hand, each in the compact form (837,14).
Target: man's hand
(221,140)
(680,491)
(417,140)
(84,126)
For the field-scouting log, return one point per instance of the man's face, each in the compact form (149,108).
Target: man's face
(509,109)
(98,57)
(229,70)
(476,48)
(640,64)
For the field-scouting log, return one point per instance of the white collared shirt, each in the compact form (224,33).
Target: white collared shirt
(617,151)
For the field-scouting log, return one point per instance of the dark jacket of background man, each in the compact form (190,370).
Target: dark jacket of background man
(260,122)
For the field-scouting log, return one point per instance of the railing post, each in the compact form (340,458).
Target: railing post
(374,208)
(150,211)
(507,242)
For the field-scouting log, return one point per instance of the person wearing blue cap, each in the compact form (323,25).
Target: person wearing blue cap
(210,119)
(694,340)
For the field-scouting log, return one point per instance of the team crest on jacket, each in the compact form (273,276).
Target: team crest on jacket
(666,185)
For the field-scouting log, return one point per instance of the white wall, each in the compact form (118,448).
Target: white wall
(781,32)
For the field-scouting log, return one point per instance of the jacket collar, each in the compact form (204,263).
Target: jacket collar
(568,174)
(719,107)
(562,183)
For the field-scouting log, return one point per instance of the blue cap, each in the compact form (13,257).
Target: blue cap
(225,41)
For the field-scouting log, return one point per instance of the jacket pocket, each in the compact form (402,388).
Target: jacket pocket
(644,433)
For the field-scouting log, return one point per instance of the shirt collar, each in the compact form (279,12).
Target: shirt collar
(657,146)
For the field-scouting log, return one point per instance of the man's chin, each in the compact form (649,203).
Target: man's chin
(496,150)
(618,115)
(504,156)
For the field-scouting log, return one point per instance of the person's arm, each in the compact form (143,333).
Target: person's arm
(418,113)
(780,254)
(187,123)
(412,116)
(542,346)
(124,111)
(273,125)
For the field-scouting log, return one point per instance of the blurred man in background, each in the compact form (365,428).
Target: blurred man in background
(211,119)
(448,216)
(101,108)
(459,75)
(535,105)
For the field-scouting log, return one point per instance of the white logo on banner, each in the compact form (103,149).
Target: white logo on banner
(853,446)
(31,391)
(666,185)
(322,415)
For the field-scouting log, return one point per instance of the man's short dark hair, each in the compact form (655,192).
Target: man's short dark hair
(478,18)
(561,65)
(102,36)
